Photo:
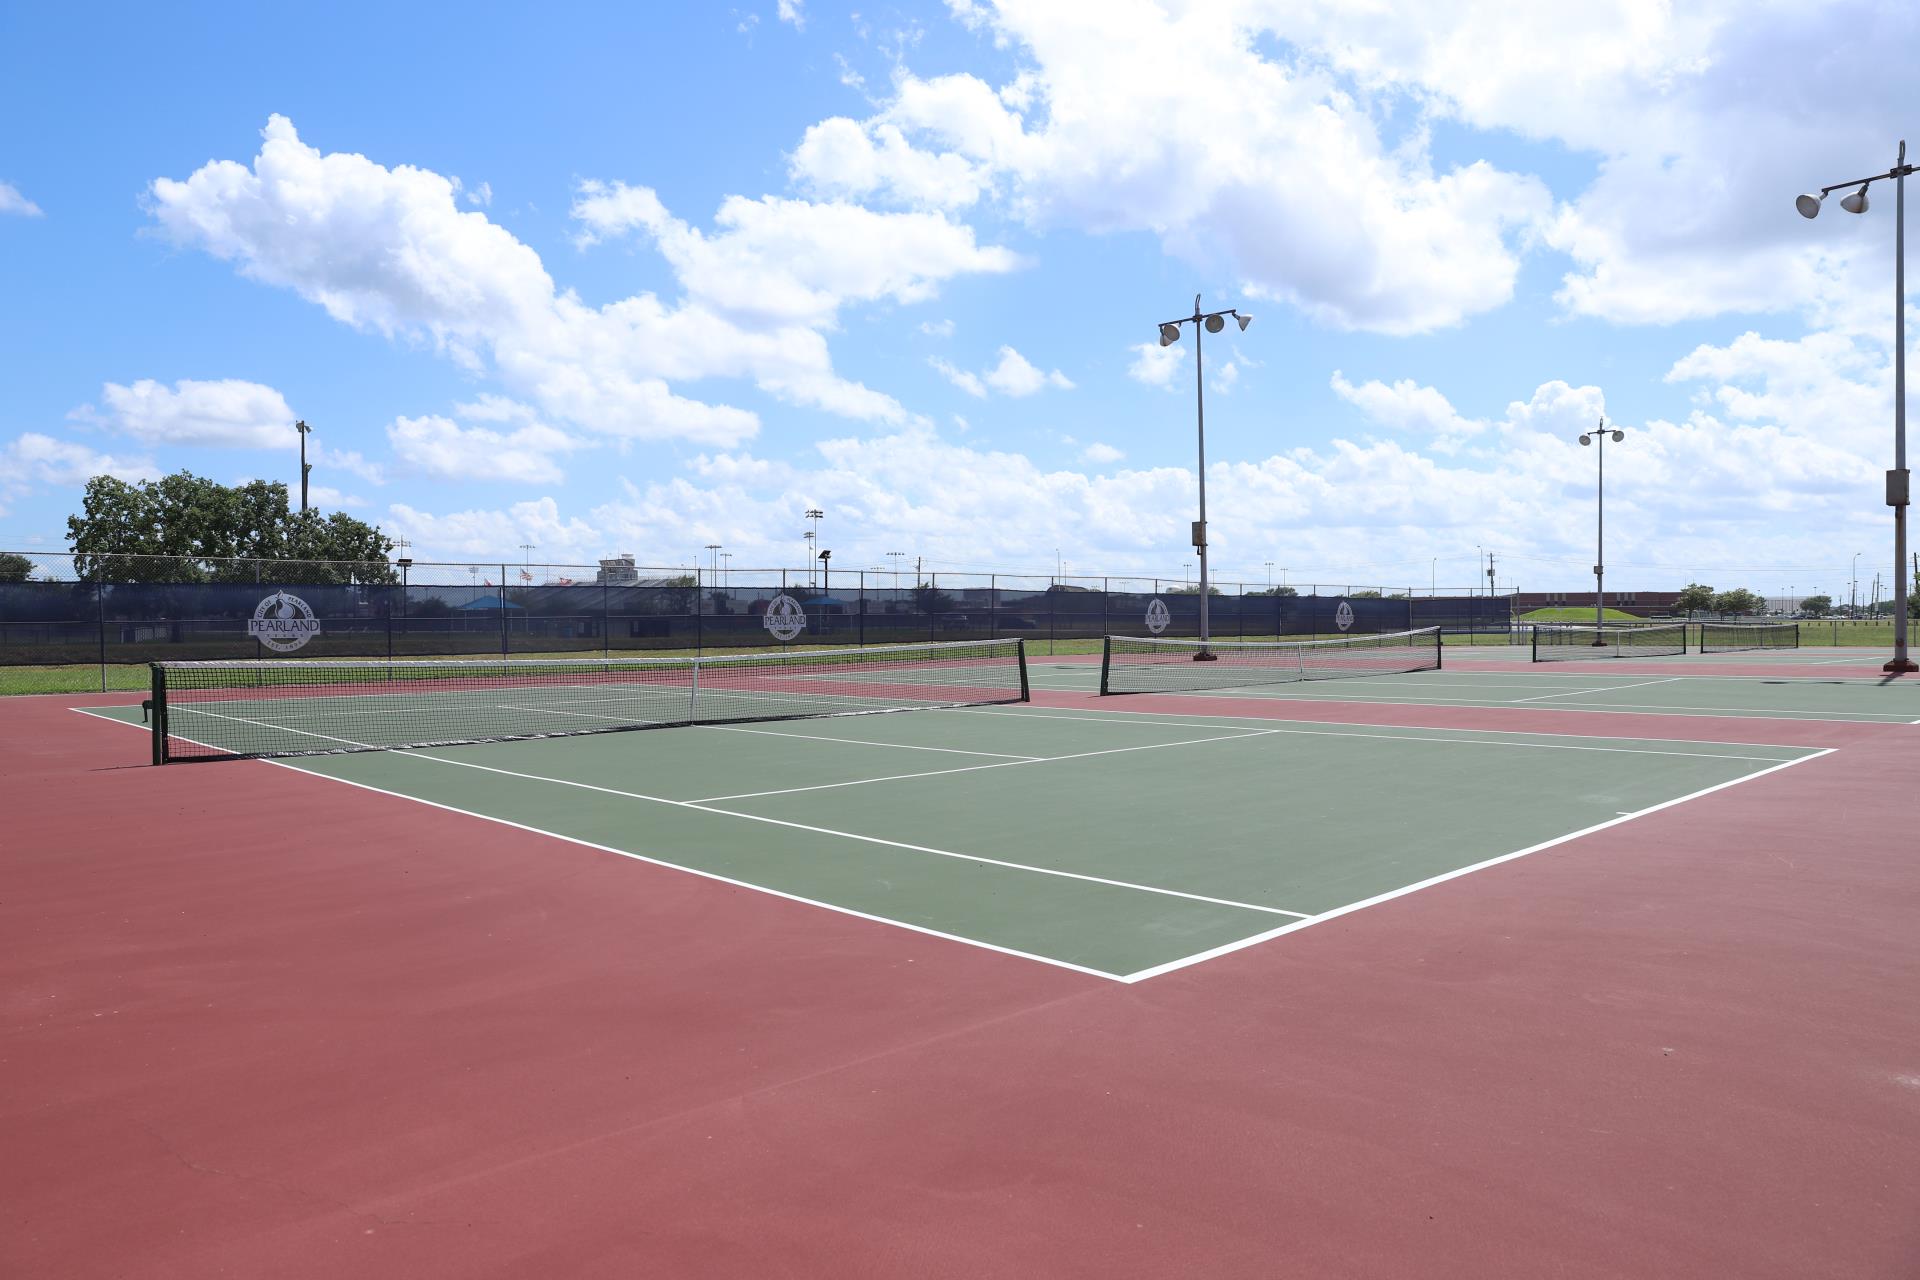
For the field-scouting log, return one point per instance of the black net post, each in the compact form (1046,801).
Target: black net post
(159,712)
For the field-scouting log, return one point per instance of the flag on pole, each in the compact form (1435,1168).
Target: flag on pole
(525,576)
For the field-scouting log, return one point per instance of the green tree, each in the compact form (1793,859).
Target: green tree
(1366,595)
(1694,597)
(1738,602)
(931,599)
(1275,591)
(14,568)
(186,528)
(1818,606)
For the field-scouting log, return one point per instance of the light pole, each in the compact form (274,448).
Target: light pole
(813,539)
(1898,477)
(305,468)
(896,557)
(1600,433)
(1433,577)
(713,561)
(1269,577)
(726,568)
(1853,588)
(1212,322)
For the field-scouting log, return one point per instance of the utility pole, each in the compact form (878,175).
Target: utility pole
(1489,575)
(306,468)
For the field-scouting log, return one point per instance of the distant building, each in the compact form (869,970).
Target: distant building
(618,572)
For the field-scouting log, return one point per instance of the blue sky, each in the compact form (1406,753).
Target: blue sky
(619,278)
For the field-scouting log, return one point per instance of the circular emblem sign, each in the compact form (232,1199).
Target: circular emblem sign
(1157,616)
(785,618)
(283,623)
(1343,616)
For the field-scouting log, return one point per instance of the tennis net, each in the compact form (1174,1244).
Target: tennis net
(1735,637)
(276,707)
(1573,642)
(1130,664)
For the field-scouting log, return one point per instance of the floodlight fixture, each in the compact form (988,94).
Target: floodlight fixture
(1216,322)
(1244,320)
(1169,334)
(1899,478)
(1618,436)
(1586,439)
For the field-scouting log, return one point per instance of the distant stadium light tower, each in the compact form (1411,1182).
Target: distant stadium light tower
(1214,321)
(306,468)
(1600,526)
(1898,478)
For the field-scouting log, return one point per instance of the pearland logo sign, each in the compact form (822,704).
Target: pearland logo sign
(283,623)
(1343,616)
(784,618)
(1157,616)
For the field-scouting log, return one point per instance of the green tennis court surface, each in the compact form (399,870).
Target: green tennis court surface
(1112,842)
(1797,697)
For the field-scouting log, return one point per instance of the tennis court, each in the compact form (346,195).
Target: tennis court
(1100,837)
(943,963)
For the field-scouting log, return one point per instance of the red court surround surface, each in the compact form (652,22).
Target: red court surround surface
(259,1024)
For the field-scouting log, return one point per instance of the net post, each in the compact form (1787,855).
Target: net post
(159,712)
(1439,648)
(693,694)
(1020,650)
(1106,663)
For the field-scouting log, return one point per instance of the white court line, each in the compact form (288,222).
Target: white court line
(1303,922)
(1334,914)
(866,742)
(1475,742)
(660,862)
(704,807)
(1610,688)
(975,768)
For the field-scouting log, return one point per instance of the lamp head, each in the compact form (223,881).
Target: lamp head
(1216,323)
(1618,436)
(1809,206)
(1585,438)
(1857,202)
(1244,320)
(1169,334)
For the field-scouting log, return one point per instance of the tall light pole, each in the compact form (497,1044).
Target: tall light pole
(1898,478)
(813,539)
(713,563)
(1599,434)
(1212,322)
(1269,576)
(726,568)
(306,468)
(1853,588)
(896,557)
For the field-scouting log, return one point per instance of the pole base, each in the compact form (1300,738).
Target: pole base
(1206,655)
(1901,664)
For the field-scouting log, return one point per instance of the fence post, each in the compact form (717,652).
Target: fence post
(860,603)
(699,613)
(501,593)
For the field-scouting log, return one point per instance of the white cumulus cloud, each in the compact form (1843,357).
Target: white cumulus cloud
(227,413)
(441,447)
(11,201)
